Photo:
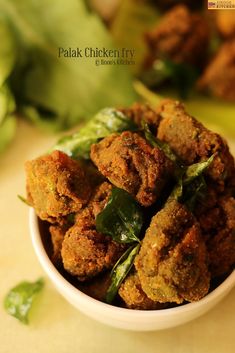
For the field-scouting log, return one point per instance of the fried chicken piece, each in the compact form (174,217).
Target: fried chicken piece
(56,186)
(85,252)
(218,228)
(181,36)
(130,163)
(172,262)
(134,297)
(193,143)
(219,76)
(139,112)
(225,21)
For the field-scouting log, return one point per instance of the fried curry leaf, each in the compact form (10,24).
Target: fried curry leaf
(155,142)
(120,271)
(191,184)
(122,218)
(19,300)
(195,170)
(194,192)
(104,123)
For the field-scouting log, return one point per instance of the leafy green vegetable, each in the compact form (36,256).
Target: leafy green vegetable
(155,142)
(195,170)
(19,300)
(104,123)
(122,218)
(191,184)
(194,191)
(69,88)
(182,76)
(120,271)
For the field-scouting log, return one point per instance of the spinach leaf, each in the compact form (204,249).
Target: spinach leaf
(155,142)
(19,300)
(122,218)
(104,123)
(120,271)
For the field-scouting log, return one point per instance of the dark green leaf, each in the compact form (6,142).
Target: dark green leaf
(19,300)
(122,218)
(194,191)
(191,183)
(104,123)
(120,271)
(155,142)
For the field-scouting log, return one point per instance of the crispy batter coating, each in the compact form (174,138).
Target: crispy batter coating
(181,36)
(130,163)
(139,112)
(172,262)
(219,76)
(134,297)
(56,186)
(193,143)
(218,228)
(85,252)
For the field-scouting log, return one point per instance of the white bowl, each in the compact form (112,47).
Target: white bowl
(135,320)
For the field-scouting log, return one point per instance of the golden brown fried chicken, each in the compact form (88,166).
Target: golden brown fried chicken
(225,21)
(130,163)
(56,186)
(219,76)
(218,228)
(181,36)
(193,143)
(85,252)
(134,297)
(139,112)
(172,262)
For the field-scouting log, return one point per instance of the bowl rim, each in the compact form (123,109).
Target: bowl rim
(57,277)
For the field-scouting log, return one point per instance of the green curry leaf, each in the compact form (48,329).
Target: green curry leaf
(120,271)
(155,142)
(122,218)
(104,123)
(19,300)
